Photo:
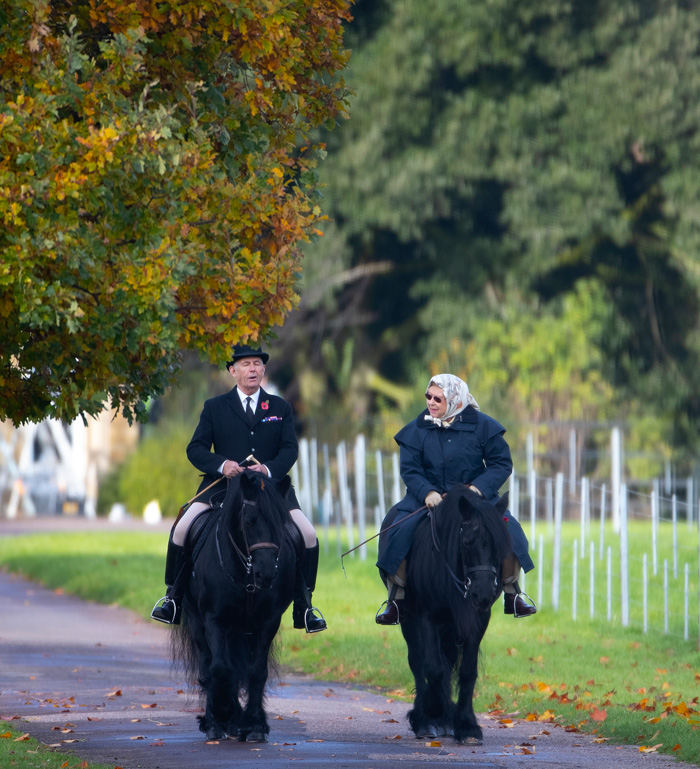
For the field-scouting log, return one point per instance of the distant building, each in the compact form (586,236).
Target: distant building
(54,468)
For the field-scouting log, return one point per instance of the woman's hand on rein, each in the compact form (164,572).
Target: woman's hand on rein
(433,499)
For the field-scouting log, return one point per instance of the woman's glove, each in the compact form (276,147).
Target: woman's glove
(433,499)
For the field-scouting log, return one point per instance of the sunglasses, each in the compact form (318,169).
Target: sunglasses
(436,398)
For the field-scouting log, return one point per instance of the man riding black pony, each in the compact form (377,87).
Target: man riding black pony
(244,422)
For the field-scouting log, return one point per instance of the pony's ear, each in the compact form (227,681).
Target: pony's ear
(284,485)
(502,504)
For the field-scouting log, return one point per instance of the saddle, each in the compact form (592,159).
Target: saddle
(204,522)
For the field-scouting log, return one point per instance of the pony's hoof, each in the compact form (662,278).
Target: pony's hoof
(255,737)
(470,741)
(216,733)
(445,731)
(427,734)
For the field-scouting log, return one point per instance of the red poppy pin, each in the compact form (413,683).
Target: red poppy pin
(265,405)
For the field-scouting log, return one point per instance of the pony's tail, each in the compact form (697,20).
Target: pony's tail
(184,654)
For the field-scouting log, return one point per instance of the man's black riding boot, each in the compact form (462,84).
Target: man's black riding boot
(304,613)
(168,608)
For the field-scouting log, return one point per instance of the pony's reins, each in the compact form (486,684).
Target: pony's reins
(181,511)
(405,518)
(462,586)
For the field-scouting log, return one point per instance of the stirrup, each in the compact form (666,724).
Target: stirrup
(160,604)
(522,594)
(386,603)
(310,610)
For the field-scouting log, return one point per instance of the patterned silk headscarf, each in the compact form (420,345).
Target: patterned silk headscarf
(457,396)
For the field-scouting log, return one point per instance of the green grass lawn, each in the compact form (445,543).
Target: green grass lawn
(625,685)
(19,750)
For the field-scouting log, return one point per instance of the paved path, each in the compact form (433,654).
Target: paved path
(96,681)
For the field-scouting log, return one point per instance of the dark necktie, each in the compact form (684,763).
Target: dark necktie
(249,409)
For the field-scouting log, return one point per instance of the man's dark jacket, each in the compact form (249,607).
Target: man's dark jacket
(223,425)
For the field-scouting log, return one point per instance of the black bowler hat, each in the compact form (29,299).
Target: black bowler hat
(246,351)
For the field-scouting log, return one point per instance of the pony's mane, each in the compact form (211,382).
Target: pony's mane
(271,504)
(449,519)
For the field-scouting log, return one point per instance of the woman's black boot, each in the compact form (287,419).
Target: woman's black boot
(393,607)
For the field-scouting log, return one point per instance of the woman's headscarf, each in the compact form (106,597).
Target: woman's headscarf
(457,396)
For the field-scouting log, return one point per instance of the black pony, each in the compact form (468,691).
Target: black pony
(243,576)
(453,578)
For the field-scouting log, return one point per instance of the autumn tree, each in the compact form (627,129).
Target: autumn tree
(157,177)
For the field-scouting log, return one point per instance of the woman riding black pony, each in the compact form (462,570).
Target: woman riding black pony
(451,442)
(453,578)
(244,570)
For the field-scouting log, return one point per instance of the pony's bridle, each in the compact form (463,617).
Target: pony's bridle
(246,558)
(461,585)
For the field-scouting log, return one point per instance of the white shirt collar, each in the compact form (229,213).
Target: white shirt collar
(253,398)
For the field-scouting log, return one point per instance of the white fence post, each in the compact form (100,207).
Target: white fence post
(361,491)
(591,581)
(624,570)
(556,561)
(574,582)
(616,475)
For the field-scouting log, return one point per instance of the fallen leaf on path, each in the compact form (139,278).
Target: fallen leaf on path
(23,738)
(138,737)
(154,705)
(433,744)
(114,693)
(508,723)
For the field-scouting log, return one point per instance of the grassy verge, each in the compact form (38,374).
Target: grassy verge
(17,749)
(624,685)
